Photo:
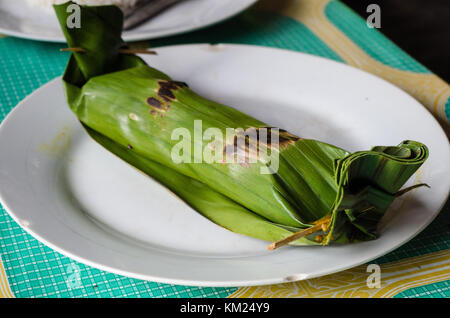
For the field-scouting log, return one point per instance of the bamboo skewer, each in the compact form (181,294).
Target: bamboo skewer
(324,222)
(136,51)
(320,225)
(73,49)
(122,51)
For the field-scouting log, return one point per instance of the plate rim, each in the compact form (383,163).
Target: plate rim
(216,283)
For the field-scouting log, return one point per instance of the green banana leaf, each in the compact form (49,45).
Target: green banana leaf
(132,110)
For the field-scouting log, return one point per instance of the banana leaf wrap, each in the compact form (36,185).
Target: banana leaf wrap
(132,109)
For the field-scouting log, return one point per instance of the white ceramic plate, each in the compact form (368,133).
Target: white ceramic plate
(81,200)
(19,19)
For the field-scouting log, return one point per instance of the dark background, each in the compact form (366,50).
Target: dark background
(419,27)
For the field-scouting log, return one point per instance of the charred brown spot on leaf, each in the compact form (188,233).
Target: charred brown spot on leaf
(251,142)
(284,137)
(166,94)
(154,102)
(235,142)
(167,84)
(284,140)
(166,89)
(180,84)
(158,105)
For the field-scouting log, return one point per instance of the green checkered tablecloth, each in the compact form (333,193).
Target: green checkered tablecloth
(35,270)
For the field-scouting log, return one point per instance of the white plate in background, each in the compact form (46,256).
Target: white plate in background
(19,19)
(76,197)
